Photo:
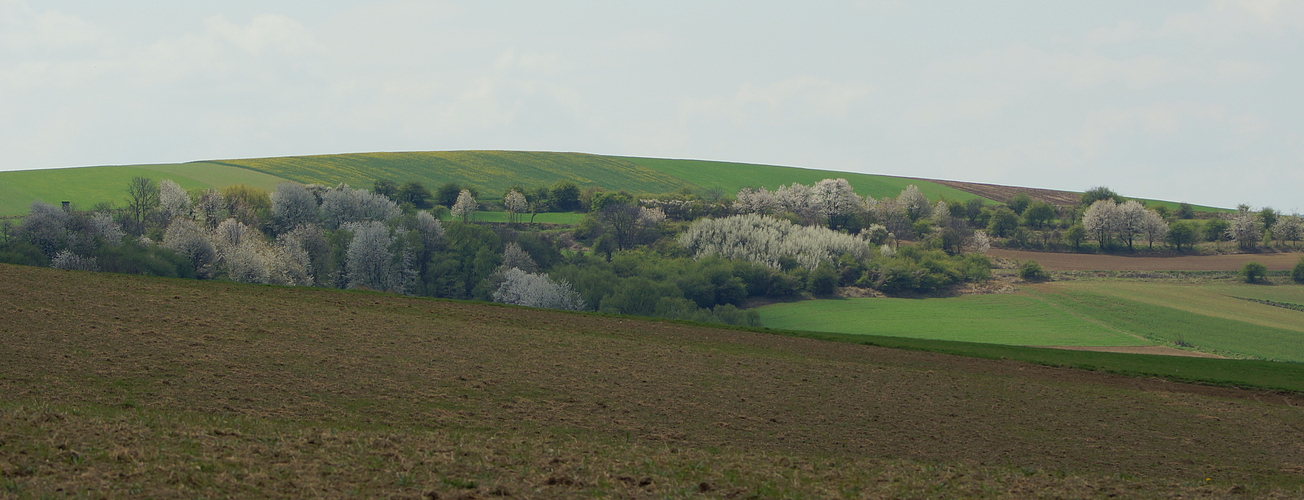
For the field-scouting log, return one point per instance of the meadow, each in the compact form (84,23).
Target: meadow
(116,385)
(1206,317)
(730,177)
(87,186)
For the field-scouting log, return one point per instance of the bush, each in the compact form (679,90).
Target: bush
(1255,272)
(1297,273)
(1032,271)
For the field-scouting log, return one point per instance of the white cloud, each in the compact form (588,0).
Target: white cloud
(263,34)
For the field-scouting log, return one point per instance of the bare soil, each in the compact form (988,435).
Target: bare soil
(1053,261)
(114,385)
(1005,193)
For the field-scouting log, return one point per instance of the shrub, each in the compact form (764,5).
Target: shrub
(1032,271)
(1254,272)
(1297,273)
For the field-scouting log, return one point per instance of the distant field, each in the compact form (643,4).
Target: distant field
(731,177)
(1013,319)
(490,172)
(86,186)
(1083,313)
(1055,261)
(1206,317)
(122,386)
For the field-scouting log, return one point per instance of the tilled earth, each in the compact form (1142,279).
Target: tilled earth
(120,347)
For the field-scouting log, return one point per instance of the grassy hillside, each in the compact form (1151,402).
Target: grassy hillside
(491,172)
(114,385)
(730,177)
(87,186)
(1082,313)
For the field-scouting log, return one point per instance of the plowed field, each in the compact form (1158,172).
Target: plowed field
(124,386)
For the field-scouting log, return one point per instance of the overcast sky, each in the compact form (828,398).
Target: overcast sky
(1179,100)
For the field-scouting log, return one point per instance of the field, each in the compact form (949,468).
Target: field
(1099,262)
(86,186)
(1205,317)
(1013,319)
(730,177)
(1052,196)
(118,385)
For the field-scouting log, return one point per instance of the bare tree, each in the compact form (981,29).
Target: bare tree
(142,199)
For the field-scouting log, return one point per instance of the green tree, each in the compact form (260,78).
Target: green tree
(1098,193)
(1297,272)
(1038,215)
(1074,236)
(447,194)
(1003,222)
(1032,271)
(1019,202)
(386,188)
(1254,272)
(1215,230)
(566,196)
(1185,211)
(416,194)
(1183,233)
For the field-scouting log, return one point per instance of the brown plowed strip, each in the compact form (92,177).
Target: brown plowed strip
(1004,193)
(1145,349)
(1095,262)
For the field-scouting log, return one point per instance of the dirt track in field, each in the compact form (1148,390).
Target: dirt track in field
(1053,261)
(1145,349)
(308,355)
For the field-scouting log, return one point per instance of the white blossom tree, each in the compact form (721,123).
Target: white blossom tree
(914,203)
(1289,228)
(292,205)
(1101,220)
(465,206)
(345,205)
(832,198)
(766,240)
(515,204)
(66,259)
(373,260)
(1154,227)
(1131,221)
(537,290)
(1245,227)
(759,201)
(173,201)
(187,239)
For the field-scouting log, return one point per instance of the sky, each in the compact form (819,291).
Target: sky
(1177,100)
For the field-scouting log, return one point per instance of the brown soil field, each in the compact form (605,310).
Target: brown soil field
(121,386)
(1004,193)
(1053,261)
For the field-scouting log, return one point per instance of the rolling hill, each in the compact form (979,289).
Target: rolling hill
(490,172)
(117,385)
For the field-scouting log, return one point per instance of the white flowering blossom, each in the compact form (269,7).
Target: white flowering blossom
(465,206)
(345,205)
(187,239)
(764,239)
(65,259)
(293,205)
(537,290)
(372,261)
(173,201)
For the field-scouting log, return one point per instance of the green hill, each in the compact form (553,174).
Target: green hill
(86,186)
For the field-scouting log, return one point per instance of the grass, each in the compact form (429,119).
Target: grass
(86,186)
(1218,325)
(1013,319)
(730,177)
(490,172)
(114,385)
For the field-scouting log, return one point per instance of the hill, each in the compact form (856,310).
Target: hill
(120,385)
(87,186)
